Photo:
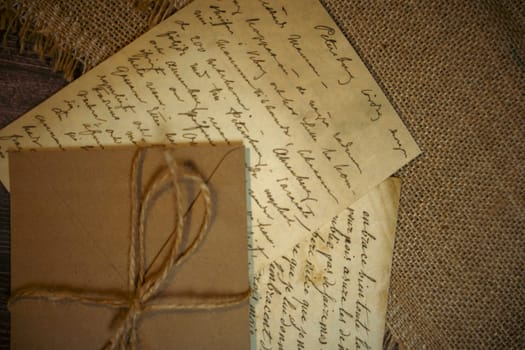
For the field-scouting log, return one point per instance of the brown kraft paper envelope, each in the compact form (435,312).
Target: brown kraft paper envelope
(70,222)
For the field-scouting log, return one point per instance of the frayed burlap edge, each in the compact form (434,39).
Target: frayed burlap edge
(159,10)
(29,34)
(391,341)
(15,18)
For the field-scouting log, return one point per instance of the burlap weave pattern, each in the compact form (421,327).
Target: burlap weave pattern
(455,71)
(81,34)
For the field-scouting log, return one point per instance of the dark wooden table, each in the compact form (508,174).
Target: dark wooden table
(25,81)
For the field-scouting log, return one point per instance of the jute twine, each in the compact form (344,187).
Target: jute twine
(143,286)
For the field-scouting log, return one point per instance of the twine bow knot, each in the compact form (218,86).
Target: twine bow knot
(144,285)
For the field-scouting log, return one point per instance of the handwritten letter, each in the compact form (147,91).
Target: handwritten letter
(277,75)
(330,291)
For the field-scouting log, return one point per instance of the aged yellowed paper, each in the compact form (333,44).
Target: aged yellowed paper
(277,75)
(330,291)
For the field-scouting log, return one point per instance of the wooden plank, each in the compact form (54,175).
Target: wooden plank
(25,81)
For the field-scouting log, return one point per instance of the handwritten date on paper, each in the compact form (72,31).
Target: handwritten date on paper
(277,75)
(330,291)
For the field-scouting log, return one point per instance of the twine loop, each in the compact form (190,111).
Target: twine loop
(145,285)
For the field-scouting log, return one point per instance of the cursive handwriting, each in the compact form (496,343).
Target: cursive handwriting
(15,139)
(92,130)
(287,102)
(156,115)
(174,41)
(274,13)
(327,34)
(222,45)
(92,107)
(282,153)
(44,123)
(30,131)
(151,87)
(174,68)
(306,155)
(142,62)
(255,57)
(220,20)
(343,62)
(374,105)
(317,299)
(123,73)
(294,40)
(346,146)
(261,41)
(63,112)
(399,145)
(228,82)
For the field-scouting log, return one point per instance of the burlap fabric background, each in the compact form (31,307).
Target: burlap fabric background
(79,34)
(455,71)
